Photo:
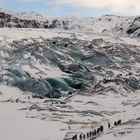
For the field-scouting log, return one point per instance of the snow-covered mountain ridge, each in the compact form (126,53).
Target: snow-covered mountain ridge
(107,24)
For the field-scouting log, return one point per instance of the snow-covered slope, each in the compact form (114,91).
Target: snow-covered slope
(24,15)
(107,24)
(69,78)
(131,27)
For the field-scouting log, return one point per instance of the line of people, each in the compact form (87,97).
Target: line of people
(96,132)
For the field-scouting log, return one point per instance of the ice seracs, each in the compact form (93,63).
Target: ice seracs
(77,78)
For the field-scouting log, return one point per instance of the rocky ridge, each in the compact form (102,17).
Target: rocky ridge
(107,24)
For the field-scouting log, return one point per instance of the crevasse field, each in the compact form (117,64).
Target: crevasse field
(67,76)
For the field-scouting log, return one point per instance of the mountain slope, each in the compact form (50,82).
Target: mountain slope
(107,24)
(67,76)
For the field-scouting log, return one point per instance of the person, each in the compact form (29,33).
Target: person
(80,137)
(119,122)
(74,137)
(98,130)
(101,128)
(109,125)
(87,135)
(84,136)
(115,123)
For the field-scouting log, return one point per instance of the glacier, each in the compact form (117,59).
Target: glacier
(66,76)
